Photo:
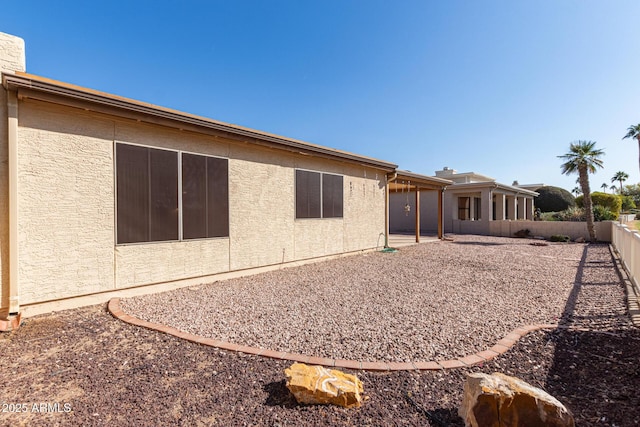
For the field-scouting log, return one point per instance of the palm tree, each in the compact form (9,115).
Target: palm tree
(620,177)
(634,132)
(576,191)
(604,186)
(584,158)
(613,188)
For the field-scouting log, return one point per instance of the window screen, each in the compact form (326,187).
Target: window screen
(331,196)
(147,194)
(318,195)
(307,194)
(205,198)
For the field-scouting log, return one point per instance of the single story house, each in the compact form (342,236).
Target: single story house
(472,203)
(101,194)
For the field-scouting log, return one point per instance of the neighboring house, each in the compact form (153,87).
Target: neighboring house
(101,193)
(473,203)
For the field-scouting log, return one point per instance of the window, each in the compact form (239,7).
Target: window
(464,208)
(308,194)
(477,208)
(318,195)
(331,196)
(205,200)
(147,187)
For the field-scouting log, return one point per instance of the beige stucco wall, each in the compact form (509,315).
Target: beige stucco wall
(364,207)
(4,202)
(548,228)
(12,53)
(12,58)
(65,199)
(261,207)
(67,207)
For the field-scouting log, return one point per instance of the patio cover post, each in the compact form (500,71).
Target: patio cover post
(440,213)
(417,214)
(390,177)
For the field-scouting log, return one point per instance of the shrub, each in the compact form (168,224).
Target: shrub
(601,213)
(571,214)
(628,203)
(559,238)
(611,201)
(549,216)
(553,199)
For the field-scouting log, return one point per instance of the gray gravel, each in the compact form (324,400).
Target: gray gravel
(433,301)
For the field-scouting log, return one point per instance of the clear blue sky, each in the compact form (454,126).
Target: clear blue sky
(496,87)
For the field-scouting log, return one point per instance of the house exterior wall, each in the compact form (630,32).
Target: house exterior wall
(4,202)
(364,198)
(12,59)
(66,192)
(65,199)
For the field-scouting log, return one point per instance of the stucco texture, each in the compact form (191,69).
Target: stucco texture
(4,202)
(65,199)
(67,207)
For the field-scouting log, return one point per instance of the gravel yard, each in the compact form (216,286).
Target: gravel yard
(433,301)
(85,367)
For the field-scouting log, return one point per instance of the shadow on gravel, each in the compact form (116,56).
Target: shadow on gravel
(596,370)
(278,395)
(596,375)
(479,243)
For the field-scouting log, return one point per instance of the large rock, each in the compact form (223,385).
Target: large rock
(319,385)
(500,400)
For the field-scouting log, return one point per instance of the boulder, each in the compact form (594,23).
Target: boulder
(500,400)
(318,385)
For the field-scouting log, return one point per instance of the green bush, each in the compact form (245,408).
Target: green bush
(559,238)
(611,201)
(628,203)
(601,213)
(571,214)
(633,191)
(549,216)
(553,199)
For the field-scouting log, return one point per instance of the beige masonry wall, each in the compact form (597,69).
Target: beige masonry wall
(4,202)
(364,207)
(67,207)
(65,197)
(12,59)
(548,228)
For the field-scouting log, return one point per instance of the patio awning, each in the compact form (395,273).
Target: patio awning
(409,181)
(402,180)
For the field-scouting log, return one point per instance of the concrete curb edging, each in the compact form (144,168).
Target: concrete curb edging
(499,348)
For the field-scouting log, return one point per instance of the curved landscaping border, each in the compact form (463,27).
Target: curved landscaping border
(499,348)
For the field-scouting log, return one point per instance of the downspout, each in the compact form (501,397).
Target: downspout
(13,321)
(390,177)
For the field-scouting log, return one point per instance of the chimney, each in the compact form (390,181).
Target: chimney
(445,172)
(12,56)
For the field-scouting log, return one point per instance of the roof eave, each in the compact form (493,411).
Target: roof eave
(30,86)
